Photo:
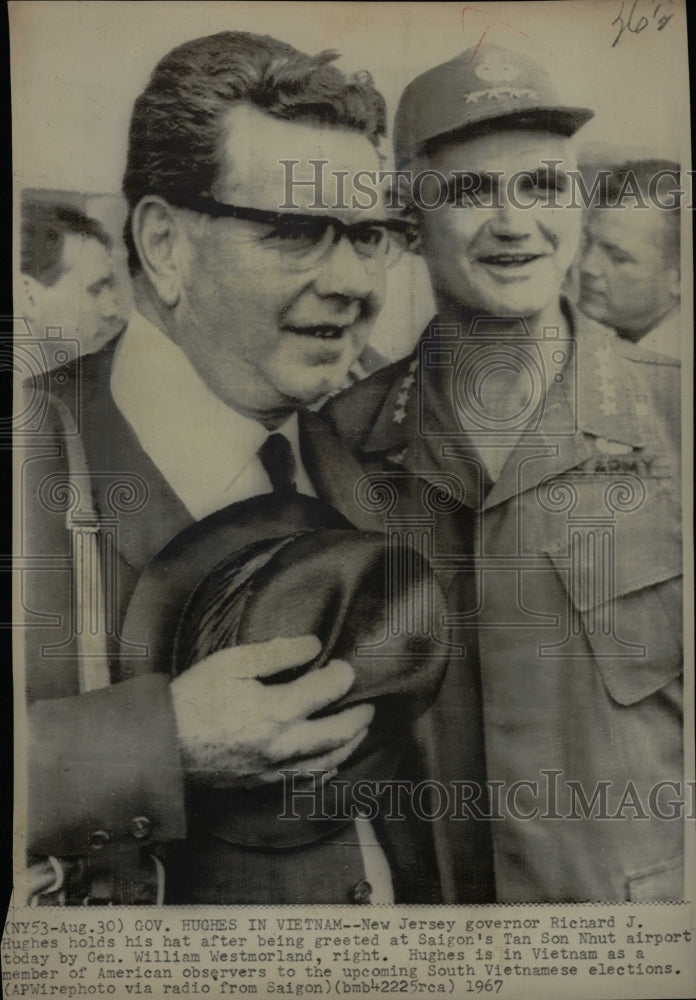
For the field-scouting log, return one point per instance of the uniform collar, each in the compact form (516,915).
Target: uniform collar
(596,397)
(396,423)
(334,471)
(607,402)
(665,338)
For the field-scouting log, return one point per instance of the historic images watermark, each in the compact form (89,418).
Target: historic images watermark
(549,796)
(551,186)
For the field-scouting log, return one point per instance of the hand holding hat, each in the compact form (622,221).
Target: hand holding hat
(250,734)
(218,609)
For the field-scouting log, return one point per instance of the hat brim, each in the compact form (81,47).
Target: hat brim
(563,121)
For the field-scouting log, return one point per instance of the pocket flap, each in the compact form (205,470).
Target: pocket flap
(603,561)
(635,634)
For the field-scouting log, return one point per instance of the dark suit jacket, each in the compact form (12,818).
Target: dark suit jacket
(107,762)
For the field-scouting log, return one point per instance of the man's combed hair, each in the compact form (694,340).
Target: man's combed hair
(640,173)
(44,228)
(176,128)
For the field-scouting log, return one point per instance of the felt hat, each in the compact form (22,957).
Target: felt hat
(286,565)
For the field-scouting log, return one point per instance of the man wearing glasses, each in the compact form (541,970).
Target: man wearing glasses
(244,314)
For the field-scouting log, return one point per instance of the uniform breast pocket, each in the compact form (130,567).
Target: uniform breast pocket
(626,602)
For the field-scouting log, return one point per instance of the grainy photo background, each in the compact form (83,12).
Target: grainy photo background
(78,67)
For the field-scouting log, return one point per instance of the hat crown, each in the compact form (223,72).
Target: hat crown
(494,66)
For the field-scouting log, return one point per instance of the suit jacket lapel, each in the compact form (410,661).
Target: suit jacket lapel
(127,485)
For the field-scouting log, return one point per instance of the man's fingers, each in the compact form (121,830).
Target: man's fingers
(326,764)
(317,689)
(282,654)
(330,761)
(262,659)
(320,736)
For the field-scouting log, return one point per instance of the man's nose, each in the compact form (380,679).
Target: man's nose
(590,264)
(109,305)
(344,272)
(112,317)
(510,222)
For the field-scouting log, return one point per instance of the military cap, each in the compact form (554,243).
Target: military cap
(484,89)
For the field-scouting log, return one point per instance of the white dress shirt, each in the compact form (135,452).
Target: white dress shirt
(208,454)
(205,450)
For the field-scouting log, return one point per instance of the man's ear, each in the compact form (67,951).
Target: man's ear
(156,232)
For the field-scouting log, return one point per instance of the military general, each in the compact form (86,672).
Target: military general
(561,548)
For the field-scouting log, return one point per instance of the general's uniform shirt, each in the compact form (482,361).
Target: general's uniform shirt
(208,453)
(665,338)
(564,574)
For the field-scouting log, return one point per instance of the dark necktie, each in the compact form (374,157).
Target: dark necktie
(279,462)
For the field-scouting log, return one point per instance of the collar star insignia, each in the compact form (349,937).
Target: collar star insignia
(607,385)
(397,457)
(612,447)
(404,392)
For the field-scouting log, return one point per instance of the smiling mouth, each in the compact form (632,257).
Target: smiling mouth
(510,260)
(319,331)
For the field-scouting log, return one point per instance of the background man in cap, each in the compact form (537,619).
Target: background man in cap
(561,549)
(629,270)
(244,314)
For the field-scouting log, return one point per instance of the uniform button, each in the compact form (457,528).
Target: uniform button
(99,839)
(361,892)
(141,827)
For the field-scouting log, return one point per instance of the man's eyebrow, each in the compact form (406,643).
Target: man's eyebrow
(460,177)
(107,279)
(608,245)
(462,172)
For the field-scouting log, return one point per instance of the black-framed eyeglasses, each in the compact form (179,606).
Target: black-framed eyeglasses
(303,240)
